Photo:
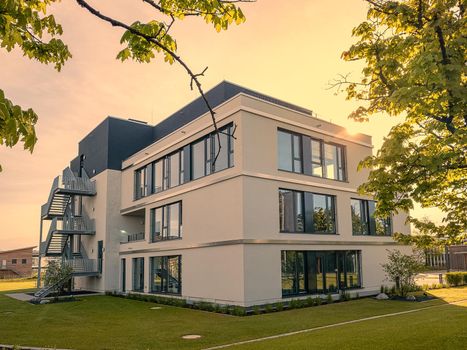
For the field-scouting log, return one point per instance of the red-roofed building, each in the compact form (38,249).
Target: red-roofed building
(16,263)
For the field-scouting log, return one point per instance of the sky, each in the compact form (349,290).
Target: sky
(287,49)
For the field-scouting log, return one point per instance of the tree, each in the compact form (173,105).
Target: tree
(56,273)
(414,54)
(402,269)
(24,23)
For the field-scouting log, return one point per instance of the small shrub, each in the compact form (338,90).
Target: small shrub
(279,306)
(294,304)
(344,296)
(256,310)
(309,301)
(238,311)
(329,299)
(268,308)
(318,301)
(456,278)
(425,287)
(464,278)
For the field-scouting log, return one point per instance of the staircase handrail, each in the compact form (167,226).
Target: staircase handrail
(42,293)
(45,207)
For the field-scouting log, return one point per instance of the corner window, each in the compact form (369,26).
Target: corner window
(166,222)
(364,221)
(312,272)
(306,212)
(166,274)
(302,154)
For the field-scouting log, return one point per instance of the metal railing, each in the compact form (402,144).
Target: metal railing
(133,237)
(82,265)
(70,181)
(76,223)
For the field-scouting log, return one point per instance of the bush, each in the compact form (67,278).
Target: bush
(280,306)
(329,299)
(344,296)
(456,278)
(402,270)
(256,310)
(318,301)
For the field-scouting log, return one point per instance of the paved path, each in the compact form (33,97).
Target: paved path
(329,326)
(20,296)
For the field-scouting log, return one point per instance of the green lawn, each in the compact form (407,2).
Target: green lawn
(103,322)
(13,285)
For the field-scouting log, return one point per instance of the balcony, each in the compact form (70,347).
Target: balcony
(133,237)
(82,267)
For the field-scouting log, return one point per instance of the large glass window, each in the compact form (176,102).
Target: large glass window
(364,221)
(289,151)
(306,212)
(158,175)
(293,272)
(316,158)
(174,161)
(140,183)
(308,272)
(166,222)
(301,154)
(198,159)
(138,274)
(166,274)
(323,214)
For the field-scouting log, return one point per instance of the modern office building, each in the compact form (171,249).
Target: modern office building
(265,210)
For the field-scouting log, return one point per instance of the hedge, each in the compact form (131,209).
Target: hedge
(456,278)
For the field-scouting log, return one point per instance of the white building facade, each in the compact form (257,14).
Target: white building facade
(270,215)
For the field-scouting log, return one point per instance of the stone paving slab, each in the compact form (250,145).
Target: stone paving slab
(20,296)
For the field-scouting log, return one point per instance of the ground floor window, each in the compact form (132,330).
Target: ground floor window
(166,274)
(308,272)
(138,274)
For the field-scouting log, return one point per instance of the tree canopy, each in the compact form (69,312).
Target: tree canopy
(25,24)
(414,55)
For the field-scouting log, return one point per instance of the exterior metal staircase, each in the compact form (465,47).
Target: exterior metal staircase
(60,210)
(63,188)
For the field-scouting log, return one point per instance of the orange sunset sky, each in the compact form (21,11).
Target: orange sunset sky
(286,49)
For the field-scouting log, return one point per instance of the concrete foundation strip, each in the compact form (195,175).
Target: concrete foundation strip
(329,326)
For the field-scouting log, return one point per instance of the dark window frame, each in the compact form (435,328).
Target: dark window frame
(14,261)
(165,220)
(370,221)
(307,162)
(340,256)
(164,287)
(307,209)
(185,164)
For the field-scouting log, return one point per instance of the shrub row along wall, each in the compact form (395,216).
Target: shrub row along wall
(234,309)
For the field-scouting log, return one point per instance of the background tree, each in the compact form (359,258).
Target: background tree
(25,24)
(414,54)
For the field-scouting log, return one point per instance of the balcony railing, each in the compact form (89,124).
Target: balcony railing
(133,237)
(82,265)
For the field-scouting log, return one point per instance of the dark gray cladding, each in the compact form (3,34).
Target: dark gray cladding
(114,140)
(109,143)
